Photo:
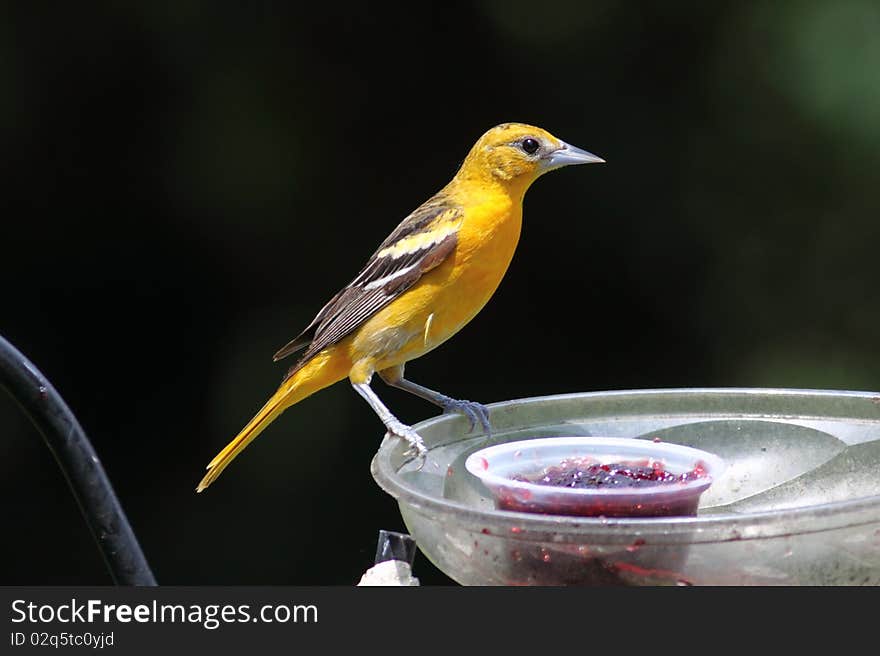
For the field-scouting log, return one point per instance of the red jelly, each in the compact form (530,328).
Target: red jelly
(639,488)
(587,473)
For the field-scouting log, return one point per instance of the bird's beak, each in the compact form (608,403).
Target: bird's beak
(567,154)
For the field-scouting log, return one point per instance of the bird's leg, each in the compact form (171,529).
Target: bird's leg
(392,423)
(471,409)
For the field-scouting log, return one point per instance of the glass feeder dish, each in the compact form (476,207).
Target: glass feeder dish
(797,504)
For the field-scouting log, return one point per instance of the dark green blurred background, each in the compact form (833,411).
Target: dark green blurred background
(185,184)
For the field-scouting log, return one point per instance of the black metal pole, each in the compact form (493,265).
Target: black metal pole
(80,465)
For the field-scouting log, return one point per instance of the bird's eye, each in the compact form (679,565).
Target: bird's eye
(530,145)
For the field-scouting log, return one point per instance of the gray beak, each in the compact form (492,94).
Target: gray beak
(568,154)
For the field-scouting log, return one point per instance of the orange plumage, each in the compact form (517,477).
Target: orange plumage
(432,275)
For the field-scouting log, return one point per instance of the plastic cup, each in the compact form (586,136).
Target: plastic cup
(497,466)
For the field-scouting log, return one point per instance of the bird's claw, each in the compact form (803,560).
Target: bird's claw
(472,410)
(417,446)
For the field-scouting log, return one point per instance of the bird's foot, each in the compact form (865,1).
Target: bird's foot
(475,412)
(416,443)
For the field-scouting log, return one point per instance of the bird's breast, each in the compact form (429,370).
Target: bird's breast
(486,244)
(448,296)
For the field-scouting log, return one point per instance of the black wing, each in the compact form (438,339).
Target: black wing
(421,242)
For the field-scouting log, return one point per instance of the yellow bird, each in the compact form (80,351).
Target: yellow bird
(431,276)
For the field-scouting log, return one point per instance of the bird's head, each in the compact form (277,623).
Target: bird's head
(516,154)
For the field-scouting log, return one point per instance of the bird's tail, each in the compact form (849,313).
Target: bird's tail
(320,372)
